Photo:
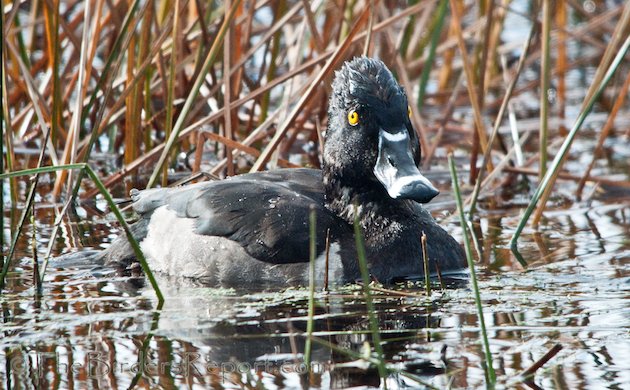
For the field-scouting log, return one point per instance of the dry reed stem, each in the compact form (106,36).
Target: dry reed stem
(499,118)
(448,112)
(572,177)
(242,147)
(327,68)
(40,110)
(620,34)
(70,150)
(237,109)
(544,88)
(154,153)
(604,134)
(561,60)
(472,93)
(227,91)
(541,362)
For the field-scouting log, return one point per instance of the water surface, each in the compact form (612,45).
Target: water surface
(92,326)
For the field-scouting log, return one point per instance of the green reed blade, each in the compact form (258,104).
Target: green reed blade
(471,267)
(554,169)
(371,311)
(311,287)
(113,207)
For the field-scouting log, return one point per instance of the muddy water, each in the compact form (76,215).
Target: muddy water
(96,328)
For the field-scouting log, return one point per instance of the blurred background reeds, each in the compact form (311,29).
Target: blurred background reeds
(522,93)
(149,89)
(160,92)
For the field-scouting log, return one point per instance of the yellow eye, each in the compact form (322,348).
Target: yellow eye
(409,111)
(353,118)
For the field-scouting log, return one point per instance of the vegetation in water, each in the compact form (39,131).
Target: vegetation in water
(102,96)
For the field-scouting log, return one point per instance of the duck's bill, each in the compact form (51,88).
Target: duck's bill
(397,171)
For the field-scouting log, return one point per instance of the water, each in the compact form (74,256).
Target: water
(89,327)
(93,328)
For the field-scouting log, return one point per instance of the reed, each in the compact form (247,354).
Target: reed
(497,122)
(111,204)
(311,286)
(144,348)
(170,89)
(4,123)
(610,61)
(148,79)
(473,275)
(279,10)
(326,69)
(425,262)
(371,310)
(479,136)
(37,282)
(623,91)
(554,170)
(28,209)
(208,62)
(436,31)
(544,87)
(157,71)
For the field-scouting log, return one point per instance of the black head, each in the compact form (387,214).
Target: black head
(370,142)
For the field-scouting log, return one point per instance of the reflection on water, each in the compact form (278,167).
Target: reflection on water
(91,327)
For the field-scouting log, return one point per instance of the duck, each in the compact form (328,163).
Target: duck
(254,227)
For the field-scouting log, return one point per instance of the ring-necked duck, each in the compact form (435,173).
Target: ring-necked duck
(254,227)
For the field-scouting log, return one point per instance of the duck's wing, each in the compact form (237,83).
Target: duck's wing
(267,213)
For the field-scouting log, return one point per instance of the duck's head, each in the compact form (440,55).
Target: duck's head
(370,142)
